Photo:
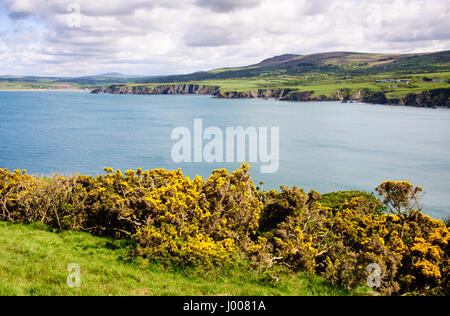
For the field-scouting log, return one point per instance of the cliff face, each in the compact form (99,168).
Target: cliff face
(261,93)
(278,94)
(431,98)
(375,98)
(160,89)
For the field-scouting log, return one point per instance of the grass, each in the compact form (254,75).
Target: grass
(416,88)
(325,86)
(330,90)
(43,84)
(321,84)
(34,260)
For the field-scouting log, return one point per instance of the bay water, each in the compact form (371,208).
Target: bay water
(325,146)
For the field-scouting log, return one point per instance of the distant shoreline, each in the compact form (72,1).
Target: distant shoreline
(437,98)
(45,90)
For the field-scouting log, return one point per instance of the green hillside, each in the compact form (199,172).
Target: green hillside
(34,260)
(394,75)
(333,64)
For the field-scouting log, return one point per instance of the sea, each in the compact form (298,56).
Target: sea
(323,146)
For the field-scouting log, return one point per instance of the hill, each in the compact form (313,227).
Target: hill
(334,63)
(421,80)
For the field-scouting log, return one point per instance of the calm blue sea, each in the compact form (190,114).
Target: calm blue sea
(323,146)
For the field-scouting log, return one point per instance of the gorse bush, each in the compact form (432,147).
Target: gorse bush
(335,200)
(170,217)
(197,222)
(224,219)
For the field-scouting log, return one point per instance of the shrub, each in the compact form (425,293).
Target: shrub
(337,200)
(196,222)
(400,197)
(447,221)
(339,240)
(278,206)
(224,219)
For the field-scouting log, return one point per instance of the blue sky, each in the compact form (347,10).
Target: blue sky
(153,37)
(5,22)
(9,24)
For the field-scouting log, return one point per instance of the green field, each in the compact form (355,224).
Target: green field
(34,260)
(327,85)
(37,85)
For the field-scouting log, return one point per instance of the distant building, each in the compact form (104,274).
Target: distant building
(393,81)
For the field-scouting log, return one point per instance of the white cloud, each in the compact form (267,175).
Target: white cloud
(165,37)
(222,6)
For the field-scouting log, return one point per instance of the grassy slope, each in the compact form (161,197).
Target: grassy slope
(327,85)
(33,261)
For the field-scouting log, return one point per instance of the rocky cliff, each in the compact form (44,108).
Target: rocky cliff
(278,94)
(159,89)
(430,98)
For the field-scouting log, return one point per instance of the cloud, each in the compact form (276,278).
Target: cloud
(152,37)
(222,6)
(19,15)
(211,37)
(317,7)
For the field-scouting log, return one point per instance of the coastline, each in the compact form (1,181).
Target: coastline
(45,90)
(437,98)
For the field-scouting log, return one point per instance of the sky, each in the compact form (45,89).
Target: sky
(158,37)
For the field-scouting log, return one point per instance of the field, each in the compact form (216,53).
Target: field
(41,84)
(327,85)
(34,259)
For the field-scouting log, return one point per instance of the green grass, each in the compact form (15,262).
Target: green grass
(416,88)
(330,90)
(34,259)
(323,84)
(42,84)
